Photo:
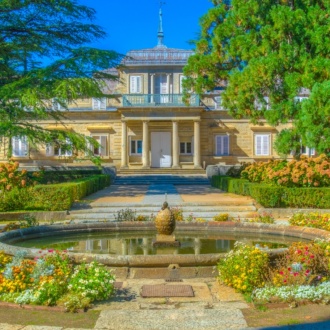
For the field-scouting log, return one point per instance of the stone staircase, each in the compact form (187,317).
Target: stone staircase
(158,179)
(161,187)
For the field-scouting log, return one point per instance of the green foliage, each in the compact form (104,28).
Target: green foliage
(314,220)
(268,49)
(93,280)
(263,218)
(221,217)
(11,177)
(243,268)
(73,302)
(56,197)
(305,172)
(36,32)
(126,215)
(272,196)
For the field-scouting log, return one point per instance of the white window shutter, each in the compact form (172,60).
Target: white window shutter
(258,142)
(95,103)
(265,145)
(69,152)
(181,79)
(15,145)
(103,103)
(225,144)
(192,146)
(55,105)
(135,84)
(218,145)
(49,149)
(103,142)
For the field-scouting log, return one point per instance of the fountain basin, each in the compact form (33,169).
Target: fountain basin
(211,228)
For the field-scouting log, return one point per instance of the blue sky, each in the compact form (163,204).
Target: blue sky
(133,24)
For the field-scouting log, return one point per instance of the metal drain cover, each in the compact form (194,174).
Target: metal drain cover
(164,290)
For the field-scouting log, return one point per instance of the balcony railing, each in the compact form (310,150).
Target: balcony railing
(158,100)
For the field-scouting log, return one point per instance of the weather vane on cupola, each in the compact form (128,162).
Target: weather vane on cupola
(160,34)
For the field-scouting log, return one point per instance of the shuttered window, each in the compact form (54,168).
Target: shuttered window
(218,103)
(99,103)
(52,149)
(102,149)
(222,145)
(20,146)
(262,144)
(58,106)
(135,84)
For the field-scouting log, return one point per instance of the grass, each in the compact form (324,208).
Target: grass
(48,318)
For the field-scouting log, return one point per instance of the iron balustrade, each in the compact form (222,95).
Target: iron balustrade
(164,100)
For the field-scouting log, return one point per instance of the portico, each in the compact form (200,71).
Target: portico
(166,137)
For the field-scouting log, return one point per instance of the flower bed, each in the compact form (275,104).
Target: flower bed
(314,220)
(303,273)
(53,280)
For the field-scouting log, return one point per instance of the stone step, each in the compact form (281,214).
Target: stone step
(208,215)
(152,208)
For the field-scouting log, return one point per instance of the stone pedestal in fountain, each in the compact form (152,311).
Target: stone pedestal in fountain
(165,225)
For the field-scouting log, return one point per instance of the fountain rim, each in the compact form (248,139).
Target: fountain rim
(153,260)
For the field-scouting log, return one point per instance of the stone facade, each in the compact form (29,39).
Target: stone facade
(146,124)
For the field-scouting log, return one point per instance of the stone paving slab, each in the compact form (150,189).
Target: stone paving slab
(206,319)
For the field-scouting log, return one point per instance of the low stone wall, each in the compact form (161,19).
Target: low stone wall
(153,260)
(212,170)
(47,216)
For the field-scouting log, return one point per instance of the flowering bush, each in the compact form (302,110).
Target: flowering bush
(263,218)
(221,217)
(319,293)
(314,220)
(52,279)
(93,281)
(305,172)
(243,268)
(11,177)
(302,264)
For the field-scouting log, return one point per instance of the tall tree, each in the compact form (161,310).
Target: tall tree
(55,32)
(268,52)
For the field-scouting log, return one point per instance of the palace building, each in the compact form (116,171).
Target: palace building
(147,125)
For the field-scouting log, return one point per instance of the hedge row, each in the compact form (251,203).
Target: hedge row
(46,177)
(275,196)
(53,197)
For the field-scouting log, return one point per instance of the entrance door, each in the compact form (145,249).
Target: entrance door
(161,151)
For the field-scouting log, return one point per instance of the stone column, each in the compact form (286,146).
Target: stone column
(124,145)
(197,145)
(175,144)
(145,145)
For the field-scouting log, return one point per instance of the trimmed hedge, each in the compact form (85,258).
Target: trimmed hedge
(47,177)
(275,196)
(54,197)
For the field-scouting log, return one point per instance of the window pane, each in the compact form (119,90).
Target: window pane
(182,148)
(133,149)
(139,147)
(188,147)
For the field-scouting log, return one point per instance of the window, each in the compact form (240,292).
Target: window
(300,98)
(221,145)
(99,103)
(20,146)
(185,148)
(57,106)
(181,77)
(218,103)
(136,147)
(259,105)
(261,144)
(135,84)
(102,149)
(307,151)
(57,150)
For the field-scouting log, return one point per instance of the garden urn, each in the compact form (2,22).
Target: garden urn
(165,222)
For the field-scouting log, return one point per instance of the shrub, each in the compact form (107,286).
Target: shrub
(74,301)
(305,172)
(221,217)
(11,177)
(263,218)
(243,268)
(126,215)
(56,197)
(177,213)
(314,220)
(93,281)
(303,263)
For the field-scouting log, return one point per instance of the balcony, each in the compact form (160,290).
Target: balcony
(158,100)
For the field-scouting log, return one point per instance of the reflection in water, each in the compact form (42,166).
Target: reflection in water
(141,244)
